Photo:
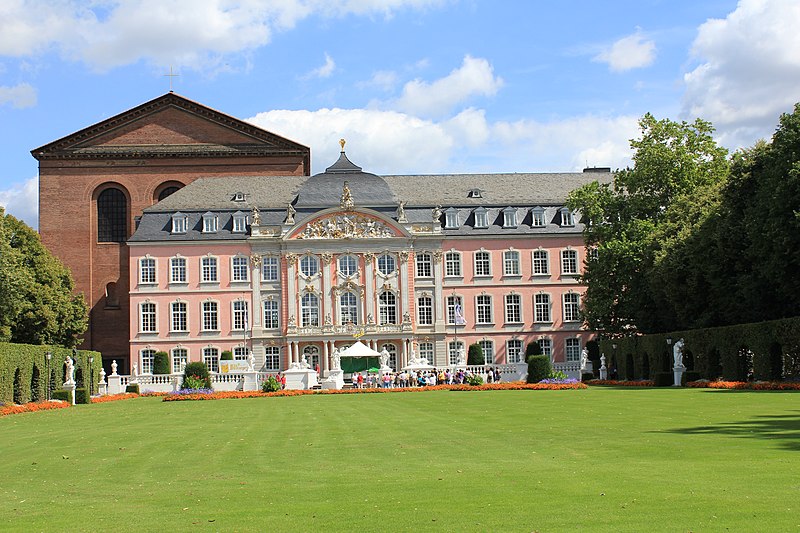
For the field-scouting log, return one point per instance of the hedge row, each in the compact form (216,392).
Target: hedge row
(24,369)
(768,351)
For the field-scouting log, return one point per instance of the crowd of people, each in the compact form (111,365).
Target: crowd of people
(420,378)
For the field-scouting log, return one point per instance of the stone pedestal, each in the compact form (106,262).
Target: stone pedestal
(335,380)
(678,375)
(587,368)
(603,372)
(250,381)
(300,378)
(115,384)
(70,387)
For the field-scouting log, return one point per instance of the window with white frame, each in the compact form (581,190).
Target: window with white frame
(572,307)
(387,308)
(309,310)
(239,222)
(272,358)
(514,350)
(537,217)
(513,308)
(424,265)
(567,218)
(210,222)
(271,314)
(509,217)
(455,310)
(348,308)
(147,318)
(180,357)
(177,270)
(312,355)
(541,307)
(392,349)
(451,219)
(147,356)
(483,263)
(180,223)
(269,268)
(426,351)
(453,351)
(425,310)
(573,350)
(179,316)
(541,262)
(488,351)
(210,316)
(211,358)
(511,263)
(386,264)
(547,347)
(147,270)
(481,218)
(240,353)
(239,266)
(240,315)
(208,269)
(483,309)
(569,261)
(309,265)
(452,264)
(348,265)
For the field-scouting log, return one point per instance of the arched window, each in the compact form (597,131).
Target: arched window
(312,355)
(392,349)
(167,191)
(112,216)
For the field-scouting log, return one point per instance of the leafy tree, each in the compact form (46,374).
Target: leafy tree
(475,355)
(37,304)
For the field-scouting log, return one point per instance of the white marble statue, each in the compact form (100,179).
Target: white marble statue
(251,362)
(437,214)
(584,357)
(677,353)
(603,362)
(462,357)
(401,212)
(135,369)
(328,320)
(384,358)
(336,359)
(69,374)
(114,367)
(413,358)
(290,212)
(304,362)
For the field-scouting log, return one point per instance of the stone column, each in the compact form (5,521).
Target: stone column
(291,287)
(255,280)
(369,281)
(404,303)
(323,370)
(327,304)
(438,291)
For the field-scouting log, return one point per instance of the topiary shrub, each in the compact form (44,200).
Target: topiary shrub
(270,385)
(533,348)
(663,379)
(161,363)
(199,371)
(61,394)
(133,387)
(226,355)
(539,368)
(82,396)
(475,355)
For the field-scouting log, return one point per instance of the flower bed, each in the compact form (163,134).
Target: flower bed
(32,407)
(114,397)
(744,385)
(616,383)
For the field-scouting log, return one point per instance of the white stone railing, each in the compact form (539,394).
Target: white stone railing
(571,369)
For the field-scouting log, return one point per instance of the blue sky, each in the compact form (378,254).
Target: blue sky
(415,86)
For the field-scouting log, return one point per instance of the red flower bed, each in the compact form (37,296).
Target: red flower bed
(616,383)
(114,397)
(744,385)
(32,407)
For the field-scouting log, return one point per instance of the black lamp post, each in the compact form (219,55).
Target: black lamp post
(91,375)
(48,356)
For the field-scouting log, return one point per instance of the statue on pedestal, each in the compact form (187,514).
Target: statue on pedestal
(584,358)
(462,357)
(384,358)
(677,353)
(401,212)
(251,362)
(114,367)
(69,373)
(290,212)
(336,359)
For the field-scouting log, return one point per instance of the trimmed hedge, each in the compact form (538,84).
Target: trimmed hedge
(475,355)
(161,363)
(30,360)
(539,368)
(664,379)
(134,388)
(62,394)
(81,396)
(763,351)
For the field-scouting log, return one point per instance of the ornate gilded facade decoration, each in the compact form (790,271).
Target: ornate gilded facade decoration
(326,258)
(402,255)
(346,227)
(347,198)
(437,256)
(255,260)
(348,286)
(368,257)
(291,259)
(256,216)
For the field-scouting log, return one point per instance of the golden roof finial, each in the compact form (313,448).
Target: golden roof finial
(342,143)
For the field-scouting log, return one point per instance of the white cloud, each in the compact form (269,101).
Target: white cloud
(633,51)
(109,33)
(323,71)
(22,201)
(475,77)
(749,70)
(385,80)
(19,96)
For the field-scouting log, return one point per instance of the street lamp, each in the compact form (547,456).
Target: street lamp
(48,356)
(669,341)
(91,374)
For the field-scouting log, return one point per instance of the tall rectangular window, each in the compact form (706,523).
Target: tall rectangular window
(179,316)
(208,267)
(452,264)
(483,264)
(425,311)
(147,270)
(573,350)
(513,308)
(572,307)
(239,315)
(387,308)
(147,360)
(426,351)
(271,314)
(269,268)
(547,347)
(240,353)
(511,263)
(239,269)
(424,265)
(514,351)
(210,316)
(537,217)
(488,351)
(453,351)
(481,219)
(272,358)
(147,318)
(180,356)
(177,270)
(569,262)
(211,358)
(455,310)
(541,304)
(483,309)
(541,262)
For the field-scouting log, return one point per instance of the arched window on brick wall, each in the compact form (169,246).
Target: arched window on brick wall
(112,216)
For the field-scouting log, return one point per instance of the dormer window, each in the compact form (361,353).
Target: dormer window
(537,217)
(567,218)
(238,197)
(451,218)
(210,223)
(481,218)
(180,223)
(239,222)
(475,193)
(510,217)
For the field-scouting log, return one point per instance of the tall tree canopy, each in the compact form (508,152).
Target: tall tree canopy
(37,305)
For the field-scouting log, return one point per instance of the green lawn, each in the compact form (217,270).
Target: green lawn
(600,459)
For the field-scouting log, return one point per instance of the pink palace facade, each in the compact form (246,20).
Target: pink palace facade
(290,266)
